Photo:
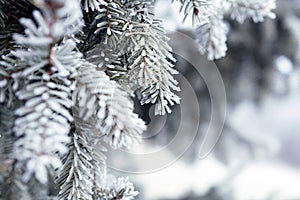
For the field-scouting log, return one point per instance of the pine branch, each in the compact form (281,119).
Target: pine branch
(200,10)
(102,37)
(211,37)
(121,189)
(10,13)
(240,10)
(88,128)
(149,59)
(6,91)
(99,168)
(100,97)
(111,21)
(84,169)
(16,188)
(61,94)
(157,85)
(88,39)
(75,179)
(3,16)
(92,5)
(6,147)
(47,69)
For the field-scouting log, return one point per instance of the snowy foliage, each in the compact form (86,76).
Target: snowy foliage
(76,181)
(68,72)
(5,91)
(121,189)
(91,5)
(212,38)
(150,63)
(102,98)
(199,9)
(47,69)
(240,10)
(212,34)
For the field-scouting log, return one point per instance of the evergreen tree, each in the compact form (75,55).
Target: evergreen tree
(68,72)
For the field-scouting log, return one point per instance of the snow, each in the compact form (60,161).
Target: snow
(259,180)
(263,178)
(180,178)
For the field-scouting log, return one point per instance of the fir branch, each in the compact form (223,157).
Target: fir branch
(149,60)
(92,5)
(88,128)
(58,91)
(7,140)
(75,179)
(100,97)
(240,10)
(15,187)
(47,70)
(6,93)
(211,37)
(111,21)
(84,169)
(200,10)
(10,13)
(120,189)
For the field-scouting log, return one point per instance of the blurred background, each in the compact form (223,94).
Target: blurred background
(257,156)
